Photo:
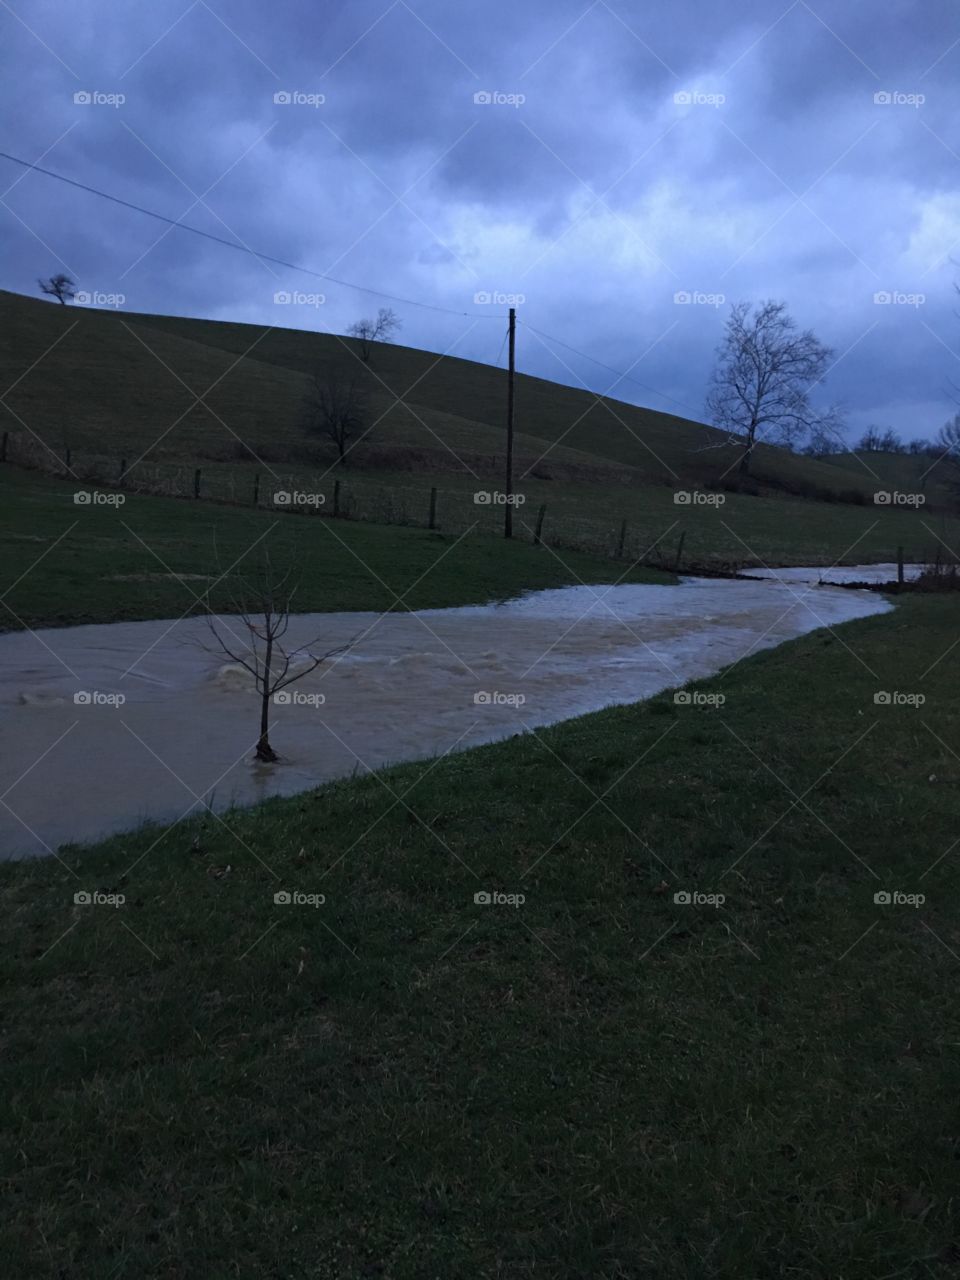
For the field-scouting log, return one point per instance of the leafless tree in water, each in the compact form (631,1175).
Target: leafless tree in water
(261,607)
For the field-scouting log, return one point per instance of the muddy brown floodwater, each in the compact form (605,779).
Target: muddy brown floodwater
(104,727)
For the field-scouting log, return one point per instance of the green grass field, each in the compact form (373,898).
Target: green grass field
(105,563)
(403,1083)
(600,1082)
(158,558)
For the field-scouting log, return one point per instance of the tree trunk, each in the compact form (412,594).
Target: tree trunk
(264,749)
(747,454)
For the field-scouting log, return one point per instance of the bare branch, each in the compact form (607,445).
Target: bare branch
(336,408)
(765,371)
(267,596)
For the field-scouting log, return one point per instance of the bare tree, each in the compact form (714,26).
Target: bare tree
(925,448)
(825,440)
(874,440)
(262,605)
(337,408)
(765,368)
(60,287)
(382,329)
(948,441)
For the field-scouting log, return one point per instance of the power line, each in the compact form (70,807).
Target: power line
(230,244)
(500,352)
(609,369)
(319,275)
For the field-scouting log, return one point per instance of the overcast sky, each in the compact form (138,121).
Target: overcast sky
(631,152)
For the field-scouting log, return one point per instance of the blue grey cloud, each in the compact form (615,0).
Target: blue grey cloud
(629,154)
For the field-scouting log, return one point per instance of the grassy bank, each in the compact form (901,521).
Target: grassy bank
(153,557)
(601,1082)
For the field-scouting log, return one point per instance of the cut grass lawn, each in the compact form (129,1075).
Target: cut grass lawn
(153,557)
(600,1082)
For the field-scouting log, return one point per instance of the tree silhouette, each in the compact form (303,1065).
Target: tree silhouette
(382,329)
(262,604)
(765,368)
(60,287)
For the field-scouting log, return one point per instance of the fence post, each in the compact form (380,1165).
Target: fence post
(538,532)
(683,534)
(3,447)
(256,489)
(622,539)
(900,564)
(433,509)
(654,546)
(196,483)
(336,497)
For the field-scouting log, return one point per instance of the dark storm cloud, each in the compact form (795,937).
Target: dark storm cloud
(586,187)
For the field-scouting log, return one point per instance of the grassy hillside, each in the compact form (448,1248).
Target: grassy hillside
(107,381)
(936,478)
(117,388)
(600,1082)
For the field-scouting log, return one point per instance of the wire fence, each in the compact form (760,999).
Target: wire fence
(339,494)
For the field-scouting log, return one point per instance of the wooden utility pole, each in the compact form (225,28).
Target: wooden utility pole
(508,504)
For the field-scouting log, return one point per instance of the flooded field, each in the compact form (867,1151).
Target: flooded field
(106,726)
(876,573)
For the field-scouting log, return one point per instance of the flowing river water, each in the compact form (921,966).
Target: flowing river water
(104,727)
